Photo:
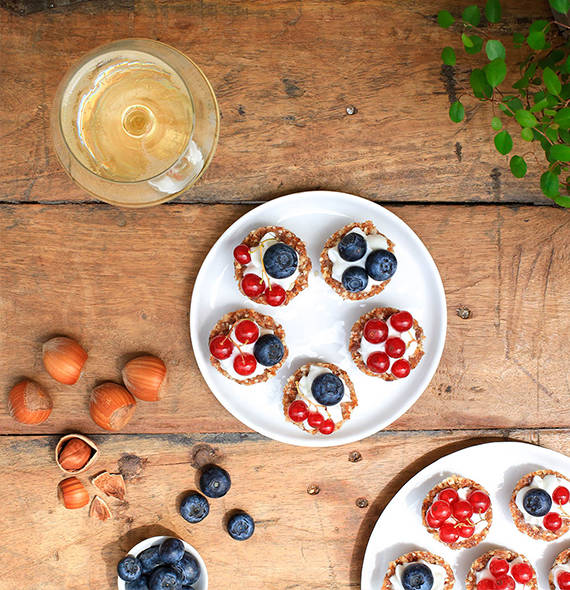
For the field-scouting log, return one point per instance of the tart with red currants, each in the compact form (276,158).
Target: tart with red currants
(457,512)
(540,505)
(358,261)
(271,265)
(559,577)
(386,343)
(418,570)
(319,398)
(501,569)
(247,346)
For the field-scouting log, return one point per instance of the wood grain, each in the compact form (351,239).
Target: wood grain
(120,281)
(284,74)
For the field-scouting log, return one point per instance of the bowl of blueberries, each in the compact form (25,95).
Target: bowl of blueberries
(162,563)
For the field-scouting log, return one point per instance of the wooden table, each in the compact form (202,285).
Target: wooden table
(120,280)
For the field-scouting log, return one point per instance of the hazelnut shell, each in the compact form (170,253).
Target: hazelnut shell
(144,377)
(111,406)
(28,403)
(67,465)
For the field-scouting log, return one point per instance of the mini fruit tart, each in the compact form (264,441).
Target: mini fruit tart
(358,261)
(559,577)
(271,265)
(457,512)
(418,570)
(539,505)
(319,398)
(247,347)
(386,343)
(501,569)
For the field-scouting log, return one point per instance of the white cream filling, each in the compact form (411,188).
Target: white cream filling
(305,383)
(339,265)
(255,266)
(437,571)
(558,569)
(486,573)
(479,521)
(548,483)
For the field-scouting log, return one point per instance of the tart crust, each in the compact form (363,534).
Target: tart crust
(561,559)
(382,313)
(224,326)
(287,237)
(326,264)
(533,530)
(416,556)
(456,482)
(481,563)
(290,394)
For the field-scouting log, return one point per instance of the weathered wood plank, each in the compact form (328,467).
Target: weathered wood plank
(120,281)
(284,73)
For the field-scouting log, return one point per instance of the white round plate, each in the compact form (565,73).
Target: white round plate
(317,322)
(497,467)
(201,584)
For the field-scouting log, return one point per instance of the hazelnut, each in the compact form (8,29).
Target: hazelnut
(75,453)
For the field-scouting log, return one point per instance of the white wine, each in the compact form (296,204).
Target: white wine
(127,116)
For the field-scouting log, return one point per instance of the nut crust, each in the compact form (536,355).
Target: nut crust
(416,556)
(561,559)
(481,563)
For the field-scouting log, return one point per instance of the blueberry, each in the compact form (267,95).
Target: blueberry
(417,576)
(268,350)
(139,584)
(194,507)
(354,279)
(188,569)
(381,265)
(352,247)
(241,526)
(327,389)
(280,261)
(165,577)
(215,481)
(129,568)
(171,550)
(149,559)
(537,502)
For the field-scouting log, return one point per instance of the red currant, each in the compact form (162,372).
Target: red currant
(244,364)
(252,285)
(505,583)
(401,368)
(375,331)
(448,533)
(315,419)
(462,510)
(448,495)
(395,347)
(247,331)
(486,584)
(327,427)
(433,522)
(552,521)
(378,362)
(241,254)
(402,321)
(275,295)
(498,567)
(479,501)
(561,495)
(221,347)
(298,411)
(563,580)
(441,510)
(465,530)
(522,572)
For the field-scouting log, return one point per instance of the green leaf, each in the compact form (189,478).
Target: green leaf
(560,5)
(495,49)
(564,135)
(444,19)
(525,118)
(472,15)
(518,39)
(448,56)
(551,81)
(562,200)
(536,40)
(495,71)
(477,45)
(479,84)
(527,134)
(560,152)
(456,112)
(549,184)
(552,134)
(518,166)
(562,117)
(539,106)
(466,40)
(493,11)
(539,25)
(496,123)
(503,142)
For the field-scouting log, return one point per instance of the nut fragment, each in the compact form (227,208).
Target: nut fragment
(313,489)
(354,457)
(111,484)
(99,509)
(361,502)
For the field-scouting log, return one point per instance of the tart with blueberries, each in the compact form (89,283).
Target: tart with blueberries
(501,568)
(386,343)
(539,505)
(418,570)
(319,398)
(559,577)
(247,347)
(271,265)
(457,512)
(358,261)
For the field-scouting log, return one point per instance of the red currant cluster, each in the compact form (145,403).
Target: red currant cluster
(506,575)
(222,346)
(299,412)
(452,516)
(553,521)
(563,579)
(254,286)
(376,332)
